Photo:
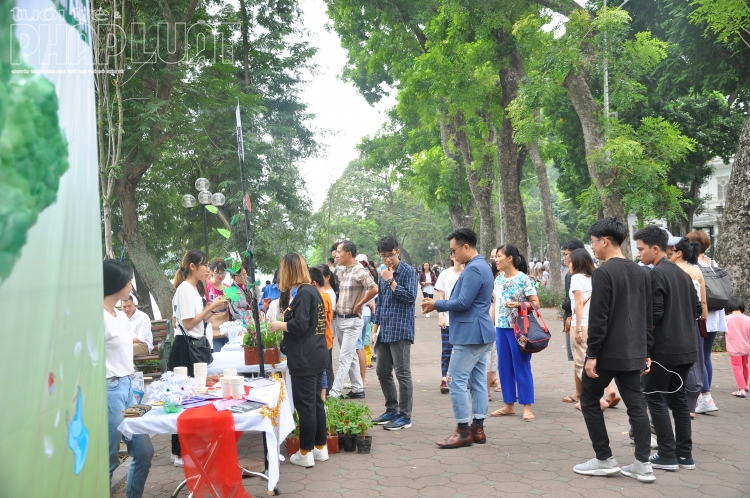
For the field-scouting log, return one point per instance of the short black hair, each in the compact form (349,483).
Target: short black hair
(335,246)
(349,246)
(688,249)
(464,236)
(387,243)
(316,275)
(572,245)
(332,261)
(116,276)
(217,265)
(268,282)
(653,236)
(129,298)
(735,304)
(612,228)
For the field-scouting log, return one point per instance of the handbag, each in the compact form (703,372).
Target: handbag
(199,349)
(702,327)
(530,330)
(569,320)
(718,287)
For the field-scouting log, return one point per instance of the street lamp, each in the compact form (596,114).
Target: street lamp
(205,198)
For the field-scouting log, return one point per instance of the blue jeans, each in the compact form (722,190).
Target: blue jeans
(468,365)
(219,343)
(708,368)
(514,367)
(445,355)
(140,449)
(363,336)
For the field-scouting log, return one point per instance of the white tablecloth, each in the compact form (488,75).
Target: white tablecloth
(158,422)
(236,359)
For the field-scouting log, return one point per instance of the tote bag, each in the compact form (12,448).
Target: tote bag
(530,330)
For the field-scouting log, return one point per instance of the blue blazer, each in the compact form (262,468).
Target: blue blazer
(469,305)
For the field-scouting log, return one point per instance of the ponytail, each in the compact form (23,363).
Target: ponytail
(195,257)
(519,262)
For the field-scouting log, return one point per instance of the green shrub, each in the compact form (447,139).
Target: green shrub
(720,344)
(549,299)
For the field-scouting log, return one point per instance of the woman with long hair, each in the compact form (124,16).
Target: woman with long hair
(118,364)
(215,290)
(427,281)
(191,315)
(512,287)
(306,350)
(582,269)
(716,322)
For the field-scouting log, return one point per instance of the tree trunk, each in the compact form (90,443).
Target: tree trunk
(460,217)
(143,294)
(480,181)
(510,159)
(589,113)
(553,249)
(152,274)
(732,249)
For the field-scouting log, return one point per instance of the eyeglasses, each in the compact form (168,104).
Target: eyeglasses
(388,256)
(220,272)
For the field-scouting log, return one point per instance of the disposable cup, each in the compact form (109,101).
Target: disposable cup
(200,380)
(226,389)
(181,371)
(230,372)
(200,367)
(237,387)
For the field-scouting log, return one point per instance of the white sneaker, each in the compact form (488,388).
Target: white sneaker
(172,457)
(177,461)
(596,467)
(302,460)
(705,405)
(427,315)
(320,455)
(639,470)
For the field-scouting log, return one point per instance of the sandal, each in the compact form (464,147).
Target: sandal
(570,399)
(739,394)
(501,413)
(528,417)
(498,389)
(613,402)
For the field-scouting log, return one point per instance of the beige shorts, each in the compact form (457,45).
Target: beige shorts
(579,350)
(140,349)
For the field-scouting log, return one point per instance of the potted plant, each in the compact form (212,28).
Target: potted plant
(332,424)
(250,344)
(345,425)
(271,342)
(292,440)
(363,423)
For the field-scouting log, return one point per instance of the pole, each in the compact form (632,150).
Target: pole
(205,229)
(606,72)
(249,251)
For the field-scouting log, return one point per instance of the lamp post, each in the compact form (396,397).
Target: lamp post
(205,197)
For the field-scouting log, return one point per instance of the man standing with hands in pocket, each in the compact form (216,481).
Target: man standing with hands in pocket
(472,336)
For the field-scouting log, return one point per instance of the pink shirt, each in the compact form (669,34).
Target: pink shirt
(738,334)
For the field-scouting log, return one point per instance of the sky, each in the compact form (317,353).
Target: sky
(339,109)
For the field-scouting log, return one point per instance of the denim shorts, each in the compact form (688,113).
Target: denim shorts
(363,336)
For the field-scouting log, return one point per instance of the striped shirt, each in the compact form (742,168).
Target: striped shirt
(354,282)
(395,312)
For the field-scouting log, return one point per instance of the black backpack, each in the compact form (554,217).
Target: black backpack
(718,287)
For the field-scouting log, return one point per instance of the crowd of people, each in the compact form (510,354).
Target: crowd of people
(640,333)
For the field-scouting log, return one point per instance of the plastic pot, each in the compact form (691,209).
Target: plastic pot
(363,444)
(347,443)
(271,356)
(333,444)
(292,445)
(251,355)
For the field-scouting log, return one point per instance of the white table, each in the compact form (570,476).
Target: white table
(236,359)
(158,422)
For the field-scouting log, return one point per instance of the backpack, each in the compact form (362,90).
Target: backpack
(531,335)
(718,287)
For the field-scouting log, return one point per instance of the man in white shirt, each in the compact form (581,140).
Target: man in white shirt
(444,286)
(140,327)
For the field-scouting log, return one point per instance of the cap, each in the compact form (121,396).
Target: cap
(672,240)
(362,257)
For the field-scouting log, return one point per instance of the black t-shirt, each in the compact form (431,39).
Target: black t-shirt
(305,340)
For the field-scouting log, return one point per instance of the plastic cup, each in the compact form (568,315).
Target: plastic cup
(237,385)
(226,389)
(230,372)
(181,371)
(200,367)
(200,380)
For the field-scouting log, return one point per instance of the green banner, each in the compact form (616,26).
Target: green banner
(53,427)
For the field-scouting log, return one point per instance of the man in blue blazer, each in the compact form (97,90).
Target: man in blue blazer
(472,336)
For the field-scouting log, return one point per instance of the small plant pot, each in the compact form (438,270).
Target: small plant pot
(333,444)
(271,356)
(251,355)
(292,445)
(363,444)
(347,443)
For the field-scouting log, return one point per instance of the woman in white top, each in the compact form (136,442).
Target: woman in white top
(118,356)
(191,317)
(581,268)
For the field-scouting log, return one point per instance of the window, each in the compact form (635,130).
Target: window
(721,187)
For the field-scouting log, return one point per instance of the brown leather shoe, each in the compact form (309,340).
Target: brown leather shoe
(462,437)
(477,433)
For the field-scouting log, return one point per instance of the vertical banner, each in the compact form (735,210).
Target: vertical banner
(53,427)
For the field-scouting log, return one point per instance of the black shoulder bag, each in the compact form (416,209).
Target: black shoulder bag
(200,349)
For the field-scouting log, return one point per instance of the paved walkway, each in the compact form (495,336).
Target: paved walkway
(519,459)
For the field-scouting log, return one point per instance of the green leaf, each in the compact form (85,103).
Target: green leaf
(233,293)
(224,232)
(234,220)
(212,209)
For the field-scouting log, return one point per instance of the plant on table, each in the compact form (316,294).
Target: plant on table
(271,339)
(250,340)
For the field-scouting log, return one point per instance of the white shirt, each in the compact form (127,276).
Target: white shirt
(118,345)
(445,282)
(140,328)
(187,303)
(580,282)
(428,287)
(333,298)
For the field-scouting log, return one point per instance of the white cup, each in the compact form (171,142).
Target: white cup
(226,389)
(180,371)
(237,384)
(200,367)
(230,372)
(200,380)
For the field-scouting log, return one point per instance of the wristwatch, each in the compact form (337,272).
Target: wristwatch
(389,282)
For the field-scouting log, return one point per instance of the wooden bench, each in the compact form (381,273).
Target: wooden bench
(161,331)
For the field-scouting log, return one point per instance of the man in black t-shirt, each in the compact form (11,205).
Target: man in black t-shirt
(619,327)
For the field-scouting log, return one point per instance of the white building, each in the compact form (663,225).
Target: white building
(715,193)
